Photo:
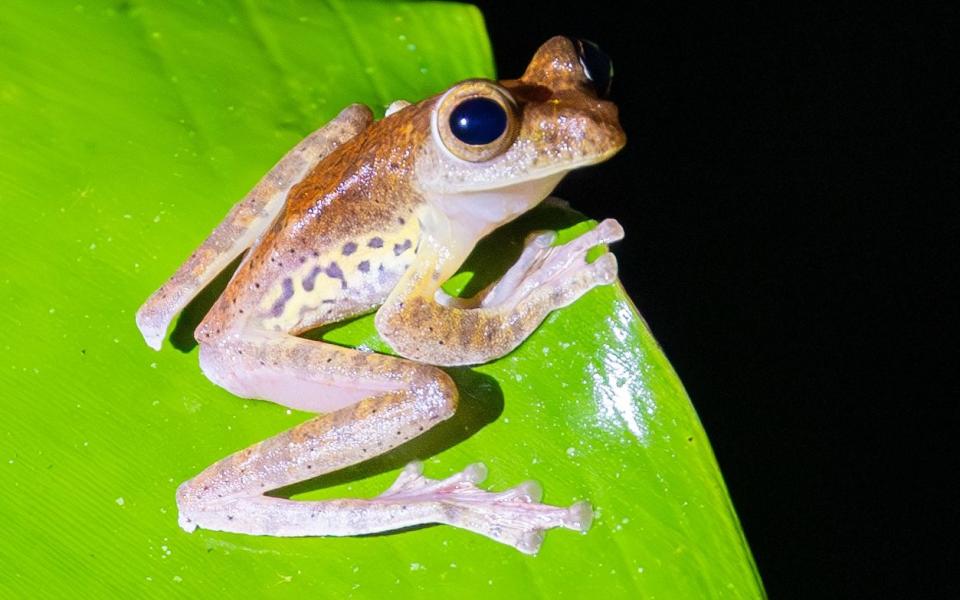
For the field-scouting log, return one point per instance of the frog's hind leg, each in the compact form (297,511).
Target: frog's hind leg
(245,222)
(384,402)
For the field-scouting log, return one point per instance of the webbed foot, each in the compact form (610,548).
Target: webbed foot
(514,517)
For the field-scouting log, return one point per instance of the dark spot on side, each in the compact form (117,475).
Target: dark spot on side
(376,242)
(277,309)
(349,248)
(364,266)
(401,220)
(399,249)
(334,272)
(310,279)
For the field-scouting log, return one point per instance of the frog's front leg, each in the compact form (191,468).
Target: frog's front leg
(381,402)
(423,323)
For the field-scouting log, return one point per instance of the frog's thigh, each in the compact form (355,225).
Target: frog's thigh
(246,221)
(308,375)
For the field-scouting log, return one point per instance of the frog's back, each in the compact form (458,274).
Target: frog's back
(346,234)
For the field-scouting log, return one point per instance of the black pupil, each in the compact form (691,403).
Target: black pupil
(596,65)
(478,121)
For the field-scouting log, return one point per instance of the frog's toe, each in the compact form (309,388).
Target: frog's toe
(604,269)
(580,517)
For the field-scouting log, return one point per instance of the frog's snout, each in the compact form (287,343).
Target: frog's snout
(583,126)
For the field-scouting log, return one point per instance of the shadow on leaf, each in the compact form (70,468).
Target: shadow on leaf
(182,335)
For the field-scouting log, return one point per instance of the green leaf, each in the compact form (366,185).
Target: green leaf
(127,130)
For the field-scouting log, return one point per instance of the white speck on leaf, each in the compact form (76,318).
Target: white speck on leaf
(119,501)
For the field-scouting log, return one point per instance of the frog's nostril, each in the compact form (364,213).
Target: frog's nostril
(597,66)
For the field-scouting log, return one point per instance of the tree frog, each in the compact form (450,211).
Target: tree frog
(365,214)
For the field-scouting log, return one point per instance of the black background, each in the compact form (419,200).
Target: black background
(790,201)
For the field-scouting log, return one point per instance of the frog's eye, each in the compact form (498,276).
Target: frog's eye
(597,66)
(476,120)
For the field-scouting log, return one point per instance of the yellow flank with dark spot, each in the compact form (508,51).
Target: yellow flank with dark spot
(356,273)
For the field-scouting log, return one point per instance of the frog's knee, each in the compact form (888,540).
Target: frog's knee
(435,389)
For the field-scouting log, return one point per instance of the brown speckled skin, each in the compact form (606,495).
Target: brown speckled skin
(359,192)
(382,215)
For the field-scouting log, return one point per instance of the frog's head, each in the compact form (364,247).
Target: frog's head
(499,148)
